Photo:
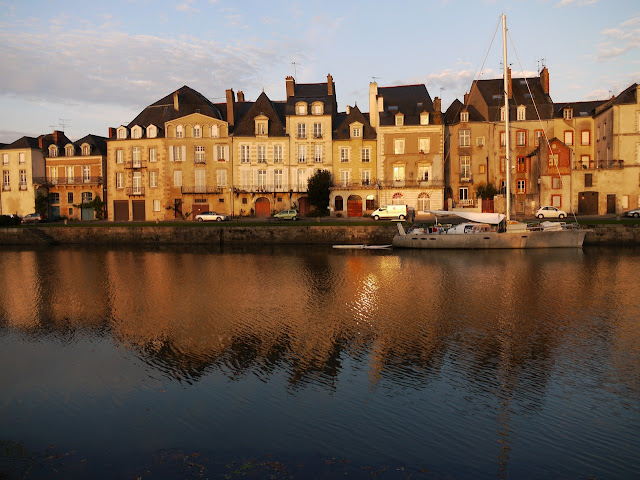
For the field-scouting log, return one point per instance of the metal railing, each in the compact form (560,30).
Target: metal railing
(201,189)
(135,164)
(68,180)
(134,191)
(593,164)
(412,183)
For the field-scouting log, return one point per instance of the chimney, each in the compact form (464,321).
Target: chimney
(112,132)
(510,92)
(291,83)
(231,100)
(57,136)
(176,102)
(240,96)
(437,104)
(348,109)
(329,84)
(466,99)
(373,110)
(40,142)
(544,80)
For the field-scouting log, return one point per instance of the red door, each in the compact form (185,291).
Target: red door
(304,205)
(263,207)
(354,208)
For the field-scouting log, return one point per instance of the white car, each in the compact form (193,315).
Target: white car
(550,212)
(211,217)
(633,213)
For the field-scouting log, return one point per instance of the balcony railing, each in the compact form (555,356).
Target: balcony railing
(135,164)
(301,136)
(200,161)
(351,185)
(412,183)
(270,188)
(68,181)
(135,191)
(605,164)
(201,189)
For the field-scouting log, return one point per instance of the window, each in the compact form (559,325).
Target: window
(221,153)
(178,153)
(177,178)
(537,135)
(503,164)
(317,153)
(152,131)
(464,136)
(302,179)
(53,151)
(553,160)
(424,145)
(122,133)
(398,173)
(302,130)
(585,137)
(69,150)
(119,156)
(21,159)
(135,157)
(357,132)
(278,179)
(522,113)
(6,180)
(479,141)
(301,109)
(221,178)
(398,146)
(556,182)
(156,205)
(302,153)
(317,109)
(585,161)
(464,116)
(521,186)
(465,167)
(153,178)
(521,138)
(136,132)
(86,150)
(345,177)
(87,197)
(424,118)
(399,120)
(556,201)
(463,195)
(244,153)
(262,154)
(588,180)
(179,131)
(215,131)
(54,198)
(245,179)
(423,173)
(278,153)
(5,159)
(344,155)
(567,113)
(568,137)
(69,197)
(86,173)
(153,154)
(481,168)
(197,131)
(503,139)
(522,165)
(261,127)
(70,174)
(317,130)
(23,179)
(365,177)
(365,155)
(119,180)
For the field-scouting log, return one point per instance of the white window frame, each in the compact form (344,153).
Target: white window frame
(119,180)
(302,154)
(398,146)
(365,155)
(156,205)
(521,138)
(301,130)
(197,131)
(522,113)
(5,159)
(399,120)
(424,145)
(465,167)
(317,130)
(153,179)
(153,154)
(399,173)
(179,131)
(318,153)
(344,154)
(221,178)
(464,137)
(245,154)
(464,116)
(119,155)
(86,173)
(177,178)
(278,153)
(262,154)
(278,179)
(365,177)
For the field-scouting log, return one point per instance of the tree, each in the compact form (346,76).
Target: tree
(486,190)
(318,188)
(97,204)
(41,203)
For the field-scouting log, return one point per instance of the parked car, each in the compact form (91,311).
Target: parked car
(211,217)
(550,212)
(287,215)
(632,213)
(32,218)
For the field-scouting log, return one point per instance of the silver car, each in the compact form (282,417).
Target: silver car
(632,213)
(550,212)
(211,217)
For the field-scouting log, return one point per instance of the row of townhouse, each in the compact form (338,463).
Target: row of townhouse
(183,154)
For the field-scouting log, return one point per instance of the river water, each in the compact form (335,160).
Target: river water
(281,362)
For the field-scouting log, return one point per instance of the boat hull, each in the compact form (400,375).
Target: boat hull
(571,238)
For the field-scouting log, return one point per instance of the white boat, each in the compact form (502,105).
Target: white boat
(491,230)
(363,247)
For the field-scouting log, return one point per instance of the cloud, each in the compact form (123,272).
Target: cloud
(619,40)
(186,6)
(100,64)
(577,3)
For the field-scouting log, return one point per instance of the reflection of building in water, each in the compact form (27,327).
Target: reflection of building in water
(20,291)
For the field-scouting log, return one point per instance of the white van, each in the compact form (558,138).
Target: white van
(390,211)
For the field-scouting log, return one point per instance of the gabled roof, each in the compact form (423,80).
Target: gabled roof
(49,139)
(24,142)
(262,106)
(410,100)
(580,109)
(313,92)
(627,96)
(344,120)
(189,101)
(98,144)
(452,115)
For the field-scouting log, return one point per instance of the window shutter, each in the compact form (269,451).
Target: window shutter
(184,153)
(215,153)
(270,179)
(171,154)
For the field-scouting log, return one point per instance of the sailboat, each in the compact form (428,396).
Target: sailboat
(491,230)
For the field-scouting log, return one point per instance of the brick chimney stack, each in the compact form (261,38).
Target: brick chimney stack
(466,99)
(112,132)
(544,80)
(329,84)
(176,101)
(240,96)
(57,136)
(437,104)
(231,101)
(291,83)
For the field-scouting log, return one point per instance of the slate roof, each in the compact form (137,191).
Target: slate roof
(628,95)
(452,115)
(313,92)
(24,142)
(410,100)
(580,109)
(189,101)
(343,120)
(98,144)
(262,106)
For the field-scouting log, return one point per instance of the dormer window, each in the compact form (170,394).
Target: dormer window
(399,120)
(197,131)
(464,116)
(136,132)
(68,150)
(522,112)
(152,131)
(262,123)
(53,151)
(424,118)
(179,131)
(356,130)
(301,108)
(317,108)
(122,133)
(86,150)
(568,113)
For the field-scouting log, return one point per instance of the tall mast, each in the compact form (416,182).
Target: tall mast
(506,114)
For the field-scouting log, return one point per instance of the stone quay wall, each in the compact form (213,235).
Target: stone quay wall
(607,234)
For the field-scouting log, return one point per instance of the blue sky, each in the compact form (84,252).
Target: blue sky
(92,65)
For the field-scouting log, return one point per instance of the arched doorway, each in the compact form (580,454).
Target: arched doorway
(354,206)
(398,199)
(263,207)
(304,206)
(424,202)
(338,204)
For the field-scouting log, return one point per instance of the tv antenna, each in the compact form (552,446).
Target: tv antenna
(295,71)
(62,123)
(375,79)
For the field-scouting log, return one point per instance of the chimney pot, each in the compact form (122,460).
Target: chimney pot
(290,86)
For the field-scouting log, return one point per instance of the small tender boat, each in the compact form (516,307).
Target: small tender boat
(363,247)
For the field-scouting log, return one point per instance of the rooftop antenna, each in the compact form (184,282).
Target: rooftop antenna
(295,71)
(62,123)
(375,79)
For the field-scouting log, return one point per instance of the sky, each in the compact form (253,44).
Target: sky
(83,66)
